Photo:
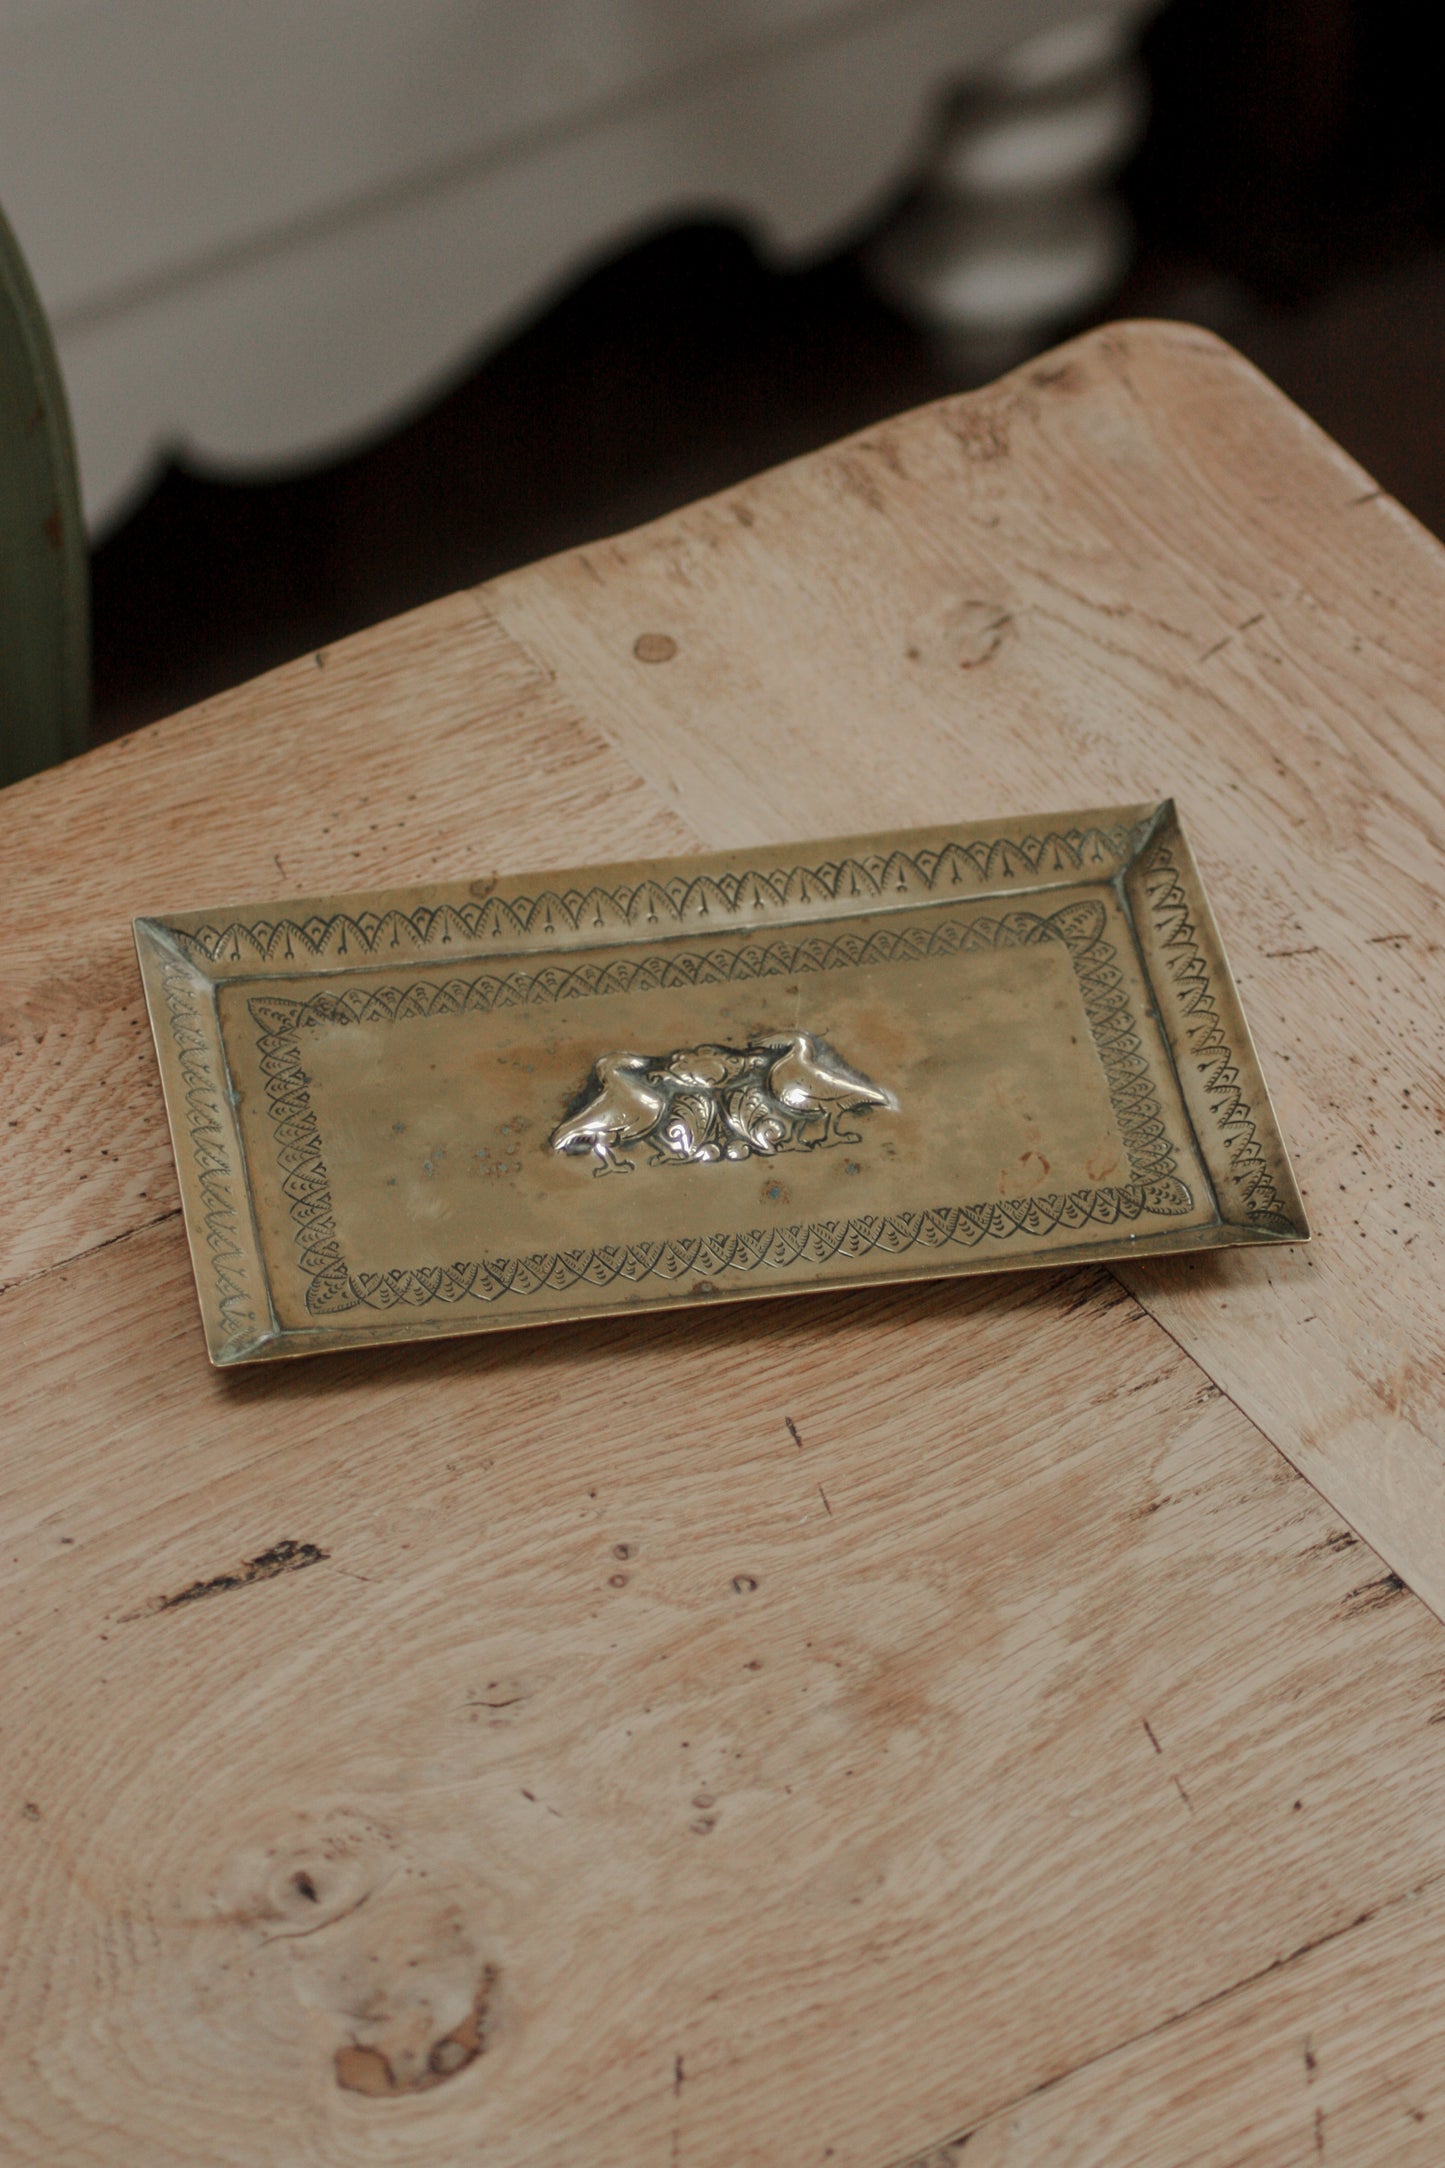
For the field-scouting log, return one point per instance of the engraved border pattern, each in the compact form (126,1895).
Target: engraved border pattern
(683,901)
(214,1173)
(1212,1053)
(333,1288)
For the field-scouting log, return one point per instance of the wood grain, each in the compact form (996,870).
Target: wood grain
(1128,571)
(795,1733)
(867,1709)
(428,747)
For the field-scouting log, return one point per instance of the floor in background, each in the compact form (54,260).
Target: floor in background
(675,371)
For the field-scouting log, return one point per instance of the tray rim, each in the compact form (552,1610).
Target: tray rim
(1140,852)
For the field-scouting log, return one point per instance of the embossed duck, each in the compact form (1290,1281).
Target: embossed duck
(813,1082)
(628,1103)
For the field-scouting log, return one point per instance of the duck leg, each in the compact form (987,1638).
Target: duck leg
(610,1160)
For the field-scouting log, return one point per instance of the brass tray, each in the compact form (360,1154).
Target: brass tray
(509,1102)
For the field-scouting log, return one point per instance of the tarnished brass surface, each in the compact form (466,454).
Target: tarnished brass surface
(461,1107)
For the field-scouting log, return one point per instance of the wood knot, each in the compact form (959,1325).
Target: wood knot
(368,2070)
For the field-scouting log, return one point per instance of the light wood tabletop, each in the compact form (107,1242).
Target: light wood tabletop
(1001,1720)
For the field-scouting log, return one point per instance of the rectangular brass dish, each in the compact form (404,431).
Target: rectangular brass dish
(510,1102)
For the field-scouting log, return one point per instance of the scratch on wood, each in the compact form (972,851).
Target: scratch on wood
(824,1496)
(1370,1595)
(1149,1735)
(1338,1539)
(283,1557)
(793,1431)
(307,1889)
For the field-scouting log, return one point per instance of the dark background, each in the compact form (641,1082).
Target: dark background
(1290,193)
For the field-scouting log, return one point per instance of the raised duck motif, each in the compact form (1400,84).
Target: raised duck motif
(628,1104)
(703,1104)
(810,1080)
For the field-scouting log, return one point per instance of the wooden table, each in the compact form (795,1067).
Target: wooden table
(399,1764)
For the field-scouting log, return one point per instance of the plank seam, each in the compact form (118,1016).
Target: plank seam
(1117,1273)
(79,1257)
(932,2155)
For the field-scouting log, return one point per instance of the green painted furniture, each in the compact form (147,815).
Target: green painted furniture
(44,575)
